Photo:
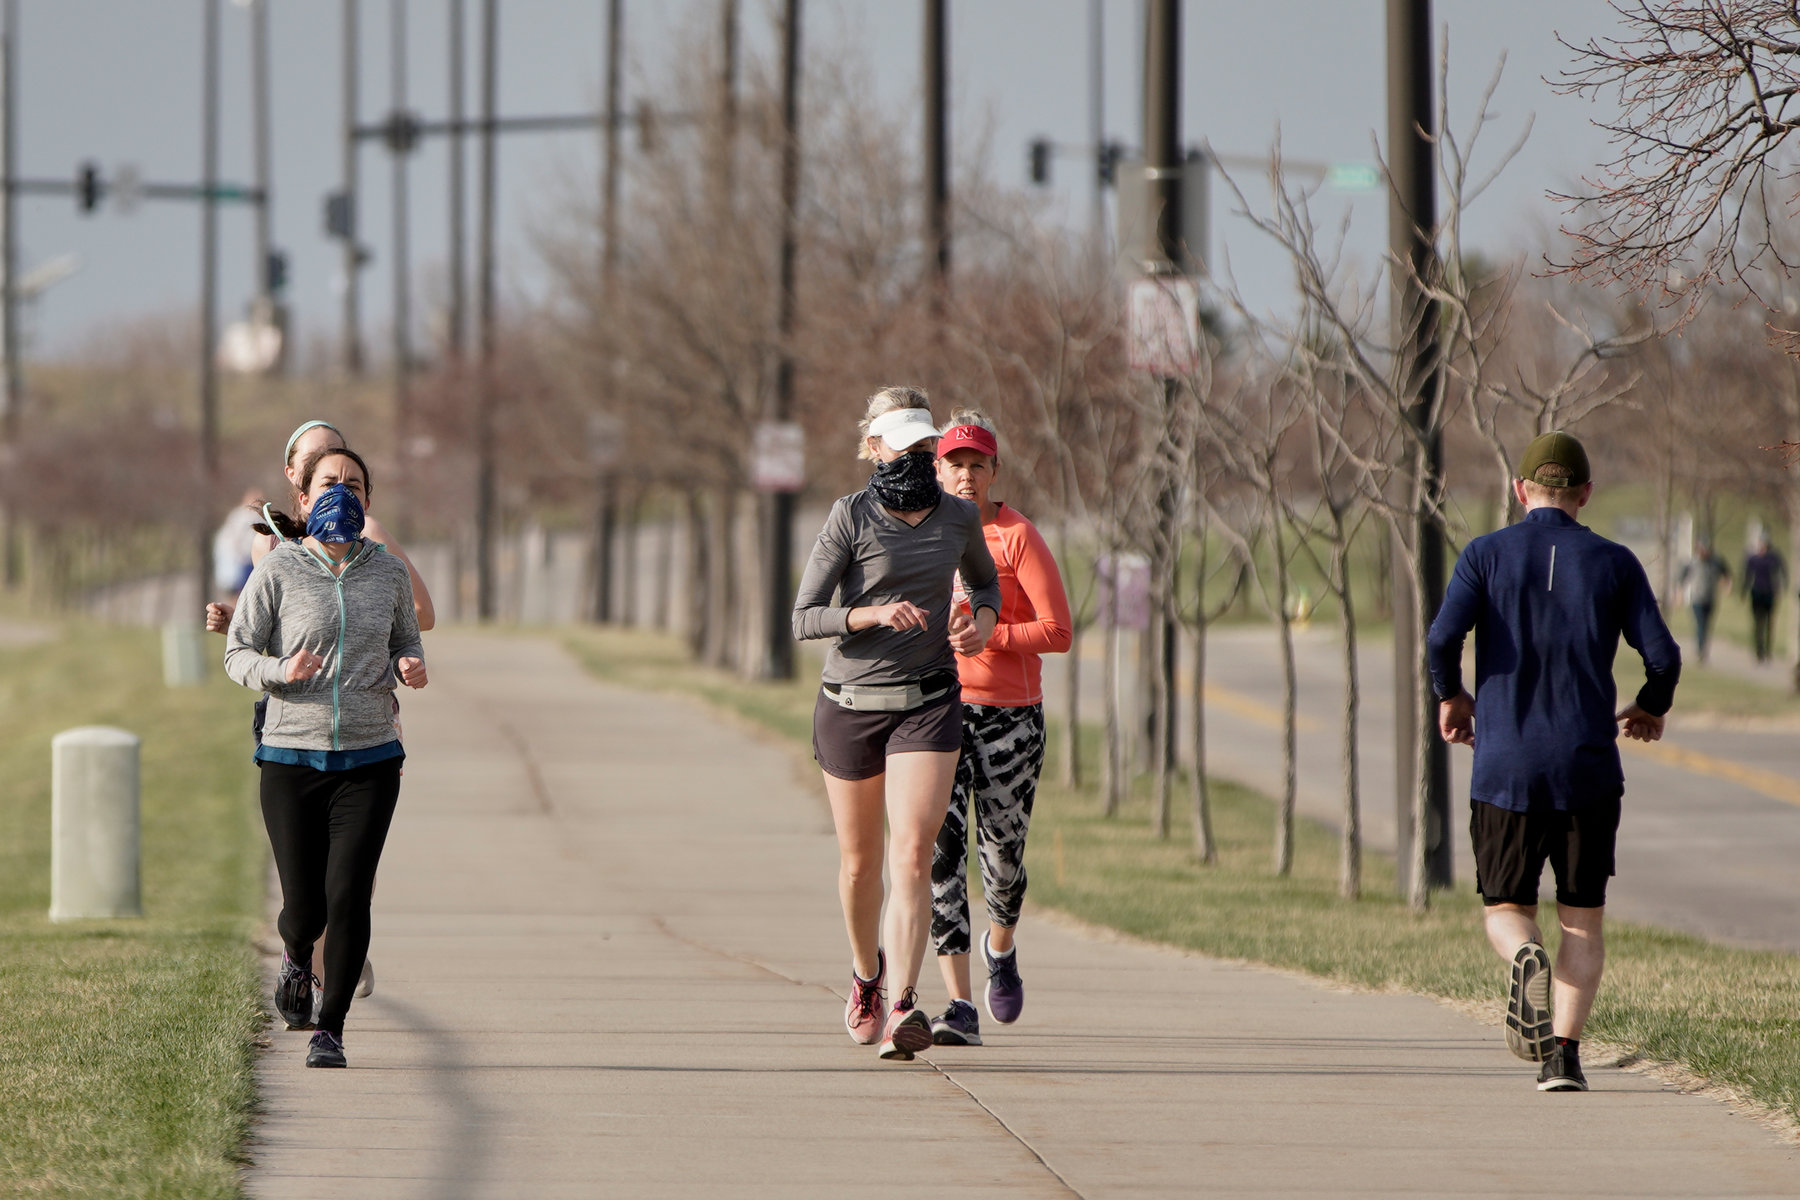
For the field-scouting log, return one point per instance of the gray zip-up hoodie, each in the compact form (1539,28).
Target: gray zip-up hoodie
(361,622)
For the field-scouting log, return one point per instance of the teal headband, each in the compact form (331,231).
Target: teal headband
(300,432)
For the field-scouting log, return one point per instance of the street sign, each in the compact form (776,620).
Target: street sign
(778,457)
(1165,326)
(1352,177)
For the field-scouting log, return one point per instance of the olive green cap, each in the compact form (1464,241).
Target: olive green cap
(1555,459)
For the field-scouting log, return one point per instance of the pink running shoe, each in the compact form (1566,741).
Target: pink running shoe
(908,1029)
(864,1010)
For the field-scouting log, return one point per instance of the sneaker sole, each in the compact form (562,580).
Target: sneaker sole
(909,1038)
(1562,1085)
(328,1066)
(950,1037)
(1528,1032)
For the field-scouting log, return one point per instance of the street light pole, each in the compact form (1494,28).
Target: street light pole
(352,248)
(484,299)
(402,243)
(259,100)
(459,317)
(209,290)
(778,555)
(12,395)
(1422,804)
(937,145)
(606,514)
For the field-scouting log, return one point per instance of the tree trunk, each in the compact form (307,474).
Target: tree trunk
(1290,687)
(1114,781)
(1350,856)
(1071,747)
(628,568)
(1205,847)
(1162,697)
(721,559)
(699,606)
(665,569)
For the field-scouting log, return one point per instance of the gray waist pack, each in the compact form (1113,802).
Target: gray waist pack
(886,697)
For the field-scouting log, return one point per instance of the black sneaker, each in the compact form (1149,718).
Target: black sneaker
(1562,1072)
(294,992)
(1528,1033)
(325,1050)
(959,1026)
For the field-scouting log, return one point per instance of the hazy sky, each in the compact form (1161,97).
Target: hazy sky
(118,81)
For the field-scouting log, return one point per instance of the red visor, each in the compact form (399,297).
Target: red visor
(967,437)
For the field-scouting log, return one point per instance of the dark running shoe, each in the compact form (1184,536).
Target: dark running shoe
(908,1029)
(1528,1032)
(325,1050)
(1562,1072)
(959,1026)
(294,992)
(1005,990)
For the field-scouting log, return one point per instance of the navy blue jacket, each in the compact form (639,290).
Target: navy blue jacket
(1548,599)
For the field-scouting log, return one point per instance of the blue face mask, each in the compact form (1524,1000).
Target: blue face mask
(336,516)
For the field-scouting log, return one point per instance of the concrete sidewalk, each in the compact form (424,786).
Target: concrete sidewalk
(610,962)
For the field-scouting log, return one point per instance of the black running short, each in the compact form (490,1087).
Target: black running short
(855,745)
(1512,847)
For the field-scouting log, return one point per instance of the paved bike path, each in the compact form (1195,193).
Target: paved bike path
(610,962)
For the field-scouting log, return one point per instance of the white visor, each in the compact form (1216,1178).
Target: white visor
(902,428)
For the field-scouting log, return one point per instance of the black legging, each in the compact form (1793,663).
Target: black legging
(327,829)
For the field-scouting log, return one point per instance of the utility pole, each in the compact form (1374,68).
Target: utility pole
(259,104)
(1097,115)
(459,316)
(937,146)
(352,249)
(484,300)
(778,554)
(606,503)
(1162,189)
(402,253)
(209,289)
(1422,806)
(12,394)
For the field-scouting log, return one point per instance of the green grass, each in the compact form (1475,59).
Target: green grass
(1725,1014)
(127,1044)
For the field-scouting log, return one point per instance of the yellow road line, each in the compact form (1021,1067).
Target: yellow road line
(1768,783)
(1266,715)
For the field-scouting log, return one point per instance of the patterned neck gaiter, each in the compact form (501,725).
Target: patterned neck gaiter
(336,516)
(908,483)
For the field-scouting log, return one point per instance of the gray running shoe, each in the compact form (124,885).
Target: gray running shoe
(365,983)
(1528,1032)
(1562,1072)
(1005,990)
(326,1050)
(959,1026)
(295,987)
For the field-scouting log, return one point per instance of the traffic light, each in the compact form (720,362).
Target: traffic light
(275,272)
(1110,154)
(87,187)
(1040,161)
(340,215)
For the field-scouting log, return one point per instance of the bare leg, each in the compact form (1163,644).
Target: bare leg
(1579,962)
(856,811)
(1000,938)
(1510,926)
(918,795)
(955,968)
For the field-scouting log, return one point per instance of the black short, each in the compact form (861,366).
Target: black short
(1512,847)
(855,745)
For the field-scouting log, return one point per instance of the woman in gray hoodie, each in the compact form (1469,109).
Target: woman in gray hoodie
(326,627)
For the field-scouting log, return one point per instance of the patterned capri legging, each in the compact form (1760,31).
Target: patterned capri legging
(1002,752)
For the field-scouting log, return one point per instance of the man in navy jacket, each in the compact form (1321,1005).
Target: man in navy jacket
(1548,600)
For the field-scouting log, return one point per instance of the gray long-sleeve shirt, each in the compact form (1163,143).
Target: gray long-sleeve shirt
(361,622)
(867,556)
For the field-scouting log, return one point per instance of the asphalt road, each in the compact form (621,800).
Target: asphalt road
(1710,841)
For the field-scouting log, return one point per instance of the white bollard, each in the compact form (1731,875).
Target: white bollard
(94,824)
(184,654)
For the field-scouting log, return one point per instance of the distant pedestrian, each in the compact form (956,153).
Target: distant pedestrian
(887,726)
(1703,575)
(326,627)
(1764,577)
(232,544)
(1548,600)
(1002,741)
